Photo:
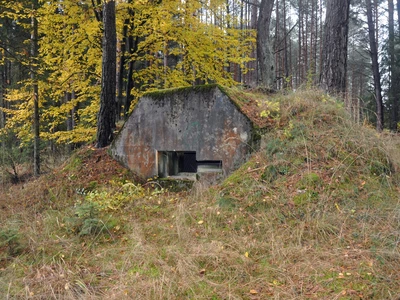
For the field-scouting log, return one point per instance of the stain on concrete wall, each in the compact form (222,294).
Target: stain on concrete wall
(201,120)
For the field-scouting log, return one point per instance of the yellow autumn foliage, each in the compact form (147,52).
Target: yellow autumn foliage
(180,43)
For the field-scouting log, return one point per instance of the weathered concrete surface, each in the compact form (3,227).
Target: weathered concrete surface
(205,121)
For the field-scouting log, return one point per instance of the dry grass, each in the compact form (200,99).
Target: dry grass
(313,215)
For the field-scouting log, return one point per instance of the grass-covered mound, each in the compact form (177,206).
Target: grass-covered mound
(314,214)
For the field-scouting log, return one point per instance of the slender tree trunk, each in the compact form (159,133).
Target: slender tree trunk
(375,67)
(35,90)
(106,116)
(70,117)
(2,86)
(265,56)
(397,60)
(398,13)
(121,70)
(251,77)
(394,78)
(96,4)
(240,79)
(376,19)
(334,53)
(67,98)
(132,47)
(228,25)
(277,46)
(321,37)
(314,40)
(305,41)
(285,53)
(300,57)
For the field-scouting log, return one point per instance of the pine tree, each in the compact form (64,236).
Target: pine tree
(375,66)
(334,52)
(266,68)
(35,89)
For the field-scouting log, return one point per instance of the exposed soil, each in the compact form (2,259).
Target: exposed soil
(96,166)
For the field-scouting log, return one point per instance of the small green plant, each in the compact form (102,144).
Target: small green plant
(121,194)
(305,198)
(310,180)
(270,174)
(10,239)
(74,164)
(270,109)
(13,154)
(88,220)
(274,146)
(227,202)
(287,132)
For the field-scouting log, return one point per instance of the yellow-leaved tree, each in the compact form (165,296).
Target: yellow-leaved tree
(182,43)
(161,44)
(23,96)
(70,49)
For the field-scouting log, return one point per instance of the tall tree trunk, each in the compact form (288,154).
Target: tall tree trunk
(239,73)
(393,97)
(305,41)
(68,97)
(398,13)
(375,67)
(2,87)
(132,48)
(106,116)
(265,56)
(334,51)
(285,53)
(314,39)
(250,77)
(278,75)
(321,38)
(300,57)
(35,90)
(121,70)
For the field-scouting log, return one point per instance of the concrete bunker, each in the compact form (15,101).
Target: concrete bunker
(195,132)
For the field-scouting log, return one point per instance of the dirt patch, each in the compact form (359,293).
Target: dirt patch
(88,166)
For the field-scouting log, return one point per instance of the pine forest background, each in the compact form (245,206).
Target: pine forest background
(52,71)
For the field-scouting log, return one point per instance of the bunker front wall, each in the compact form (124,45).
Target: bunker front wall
(206,122)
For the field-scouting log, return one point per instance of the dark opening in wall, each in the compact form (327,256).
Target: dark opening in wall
(173,163)
(207,166)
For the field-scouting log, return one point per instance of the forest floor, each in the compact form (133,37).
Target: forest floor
(313,214)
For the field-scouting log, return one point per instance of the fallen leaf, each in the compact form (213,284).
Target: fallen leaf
(200,222)
(246,254)
(253,292)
